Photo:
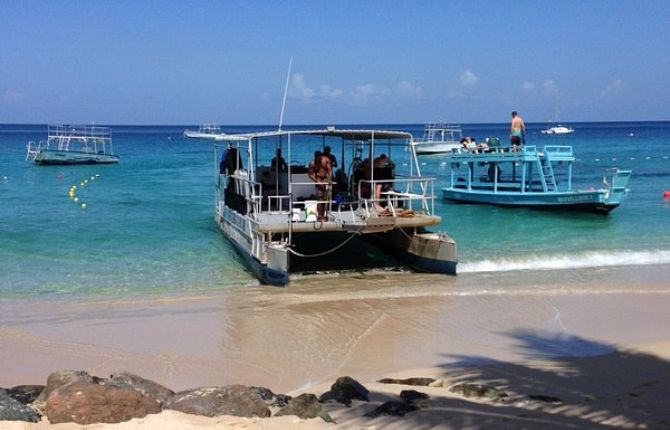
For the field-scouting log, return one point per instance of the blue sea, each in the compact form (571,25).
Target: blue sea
(148,226)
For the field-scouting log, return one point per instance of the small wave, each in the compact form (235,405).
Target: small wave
(571,261)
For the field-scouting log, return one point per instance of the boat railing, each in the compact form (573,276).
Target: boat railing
(91,139)
(209,129)
(400,193)
(562,150)
(440,131)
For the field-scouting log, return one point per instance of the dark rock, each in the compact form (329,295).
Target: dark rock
(344,390)
(477,390)
(147,387)
(85,402)
(424,382)
(393,408)
(13,410)
(410,396)
(305,406)
(543,398)
(237,400)
(270,398)
(25,394)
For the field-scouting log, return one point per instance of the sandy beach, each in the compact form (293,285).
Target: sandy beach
(597,339)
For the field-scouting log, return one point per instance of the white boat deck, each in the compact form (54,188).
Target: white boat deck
(345,221)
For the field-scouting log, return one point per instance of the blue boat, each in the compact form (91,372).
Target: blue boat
(529,177)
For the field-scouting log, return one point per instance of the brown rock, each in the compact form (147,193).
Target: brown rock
(147,387)
(237,400)
(477,390)
(305,406)
(88,402)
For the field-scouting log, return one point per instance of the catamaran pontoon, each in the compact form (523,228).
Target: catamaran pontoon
(268,212)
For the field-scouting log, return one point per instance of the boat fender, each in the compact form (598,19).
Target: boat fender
(666,195)
(310,211)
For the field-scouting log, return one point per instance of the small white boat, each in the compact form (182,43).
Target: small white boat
(559,129)
(73,144)
(206,131)
(438,138)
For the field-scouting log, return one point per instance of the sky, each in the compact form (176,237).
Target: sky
(354,62)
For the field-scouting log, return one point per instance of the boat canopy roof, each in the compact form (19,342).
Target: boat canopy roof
(353,134)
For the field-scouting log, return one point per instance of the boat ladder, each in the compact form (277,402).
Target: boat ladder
(547,174)
(33,150)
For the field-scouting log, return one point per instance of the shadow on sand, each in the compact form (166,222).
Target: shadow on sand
(565,382)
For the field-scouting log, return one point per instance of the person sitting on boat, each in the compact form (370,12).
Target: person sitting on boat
(321,171)
(278,163)
(383,171)
(469,143)
(517,131)
(327,153)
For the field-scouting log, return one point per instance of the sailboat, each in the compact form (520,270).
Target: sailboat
(558,129)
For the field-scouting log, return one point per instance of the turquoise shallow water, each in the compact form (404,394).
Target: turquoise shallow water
(149,226)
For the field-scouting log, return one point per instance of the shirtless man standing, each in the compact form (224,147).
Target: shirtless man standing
(517,131)
(321,171)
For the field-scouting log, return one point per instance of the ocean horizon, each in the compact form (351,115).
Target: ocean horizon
(148,226)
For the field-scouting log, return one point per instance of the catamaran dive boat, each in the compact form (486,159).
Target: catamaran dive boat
(205,131)
(268,210)
(70,144)
(529,177)
(438,138)
(559,129)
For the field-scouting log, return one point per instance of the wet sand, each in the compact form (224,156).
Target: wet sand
(517,329)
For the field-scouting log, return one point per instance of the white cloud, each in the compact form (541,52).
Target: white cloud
(468,79)
(613,88)
(366,93)
(329,93)
(299,90)
(408,90)
(360,95)
(528,87)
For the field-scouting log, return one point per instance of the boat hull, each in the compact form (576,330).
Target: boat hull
(57,157)
(200,135)
(586,201)
(272,272)
(423,252)
(427,148)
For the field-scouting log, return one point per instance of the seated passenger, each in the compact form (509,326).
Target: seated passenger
(468,143)
(278,162)
(383,171)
